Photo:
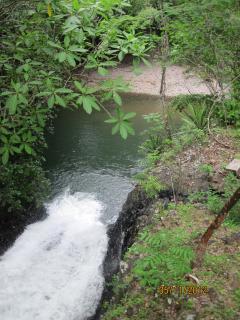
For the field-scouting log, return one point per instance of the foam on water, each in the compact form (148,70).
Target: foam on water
(53,271)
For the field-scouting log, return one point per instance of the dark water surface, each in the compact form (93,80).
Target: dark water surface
(85,157)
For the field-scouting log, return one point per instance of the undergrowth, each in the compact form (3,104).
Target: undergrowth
(162,255)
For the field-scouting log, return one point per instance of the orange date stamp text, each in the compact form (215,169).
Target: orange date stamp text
(183,290)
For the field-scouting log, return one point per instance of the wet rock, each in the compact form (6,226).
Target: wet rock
(122,233)
(121,236)
(13,224)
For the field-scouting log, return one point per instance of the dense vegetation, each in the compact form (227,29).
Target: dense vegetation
(155,268)
(46,49)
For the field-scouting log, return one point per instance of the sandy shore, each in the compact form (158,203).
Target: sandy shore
(149,81)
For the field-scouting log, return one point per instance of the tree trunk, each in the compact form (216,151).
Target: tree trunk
(202,246)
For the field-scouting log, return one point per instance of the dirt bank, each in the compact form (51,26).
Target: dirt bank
(178,81)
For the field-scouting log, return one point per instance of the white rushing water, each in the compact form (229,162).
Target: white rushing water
(53,271)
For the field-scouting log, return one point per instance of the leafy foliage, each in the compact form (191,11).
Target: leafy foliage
(121,122)
(43,47)
(154,133)
(215,201)
(149,183)
(164,262)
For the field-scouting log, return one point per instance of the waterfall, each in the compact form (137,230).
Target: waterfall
(53,271)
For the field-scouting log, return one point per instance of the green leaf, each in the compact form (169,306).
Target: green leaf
(121,55)
(28,149)
(60,101)
(76,5)
(6,93)
(41,119)
(129,115)
(95,105)
(14,138)
(117,98)
(51,101)
(115,129)
(11,104)
(75,48)
(4,131)
(129,128)
(16,150)
(102,71)
(4,139)
(66,41)
(43,94)
(54,45)
(71,60)
(80,100)
(5,157)
(61,56)
(123,131)
(22,99)
(78,85)
(111,120)
(63,90)
(87,104)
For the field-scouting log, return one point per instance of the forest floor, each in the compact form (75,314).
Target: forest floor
(148,82)
(157,280)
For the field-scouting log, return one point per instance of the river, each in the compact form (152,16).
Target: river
(54,269)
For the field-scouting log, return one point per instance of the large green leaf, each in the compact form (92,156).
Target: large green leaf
(111,120)
(5,157)
(71,60)
(128,127)
(75,48)
(115,129)
(123,131)
(28,149)
(66,41)
(129,115)
(78,85)
(95,105)
(117,98)
(60,101)
(11,104)
(51,101)
(63,90)
(54,45)
(4,139)
(87,104)
(62,56)
(22,99)
(121,55)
